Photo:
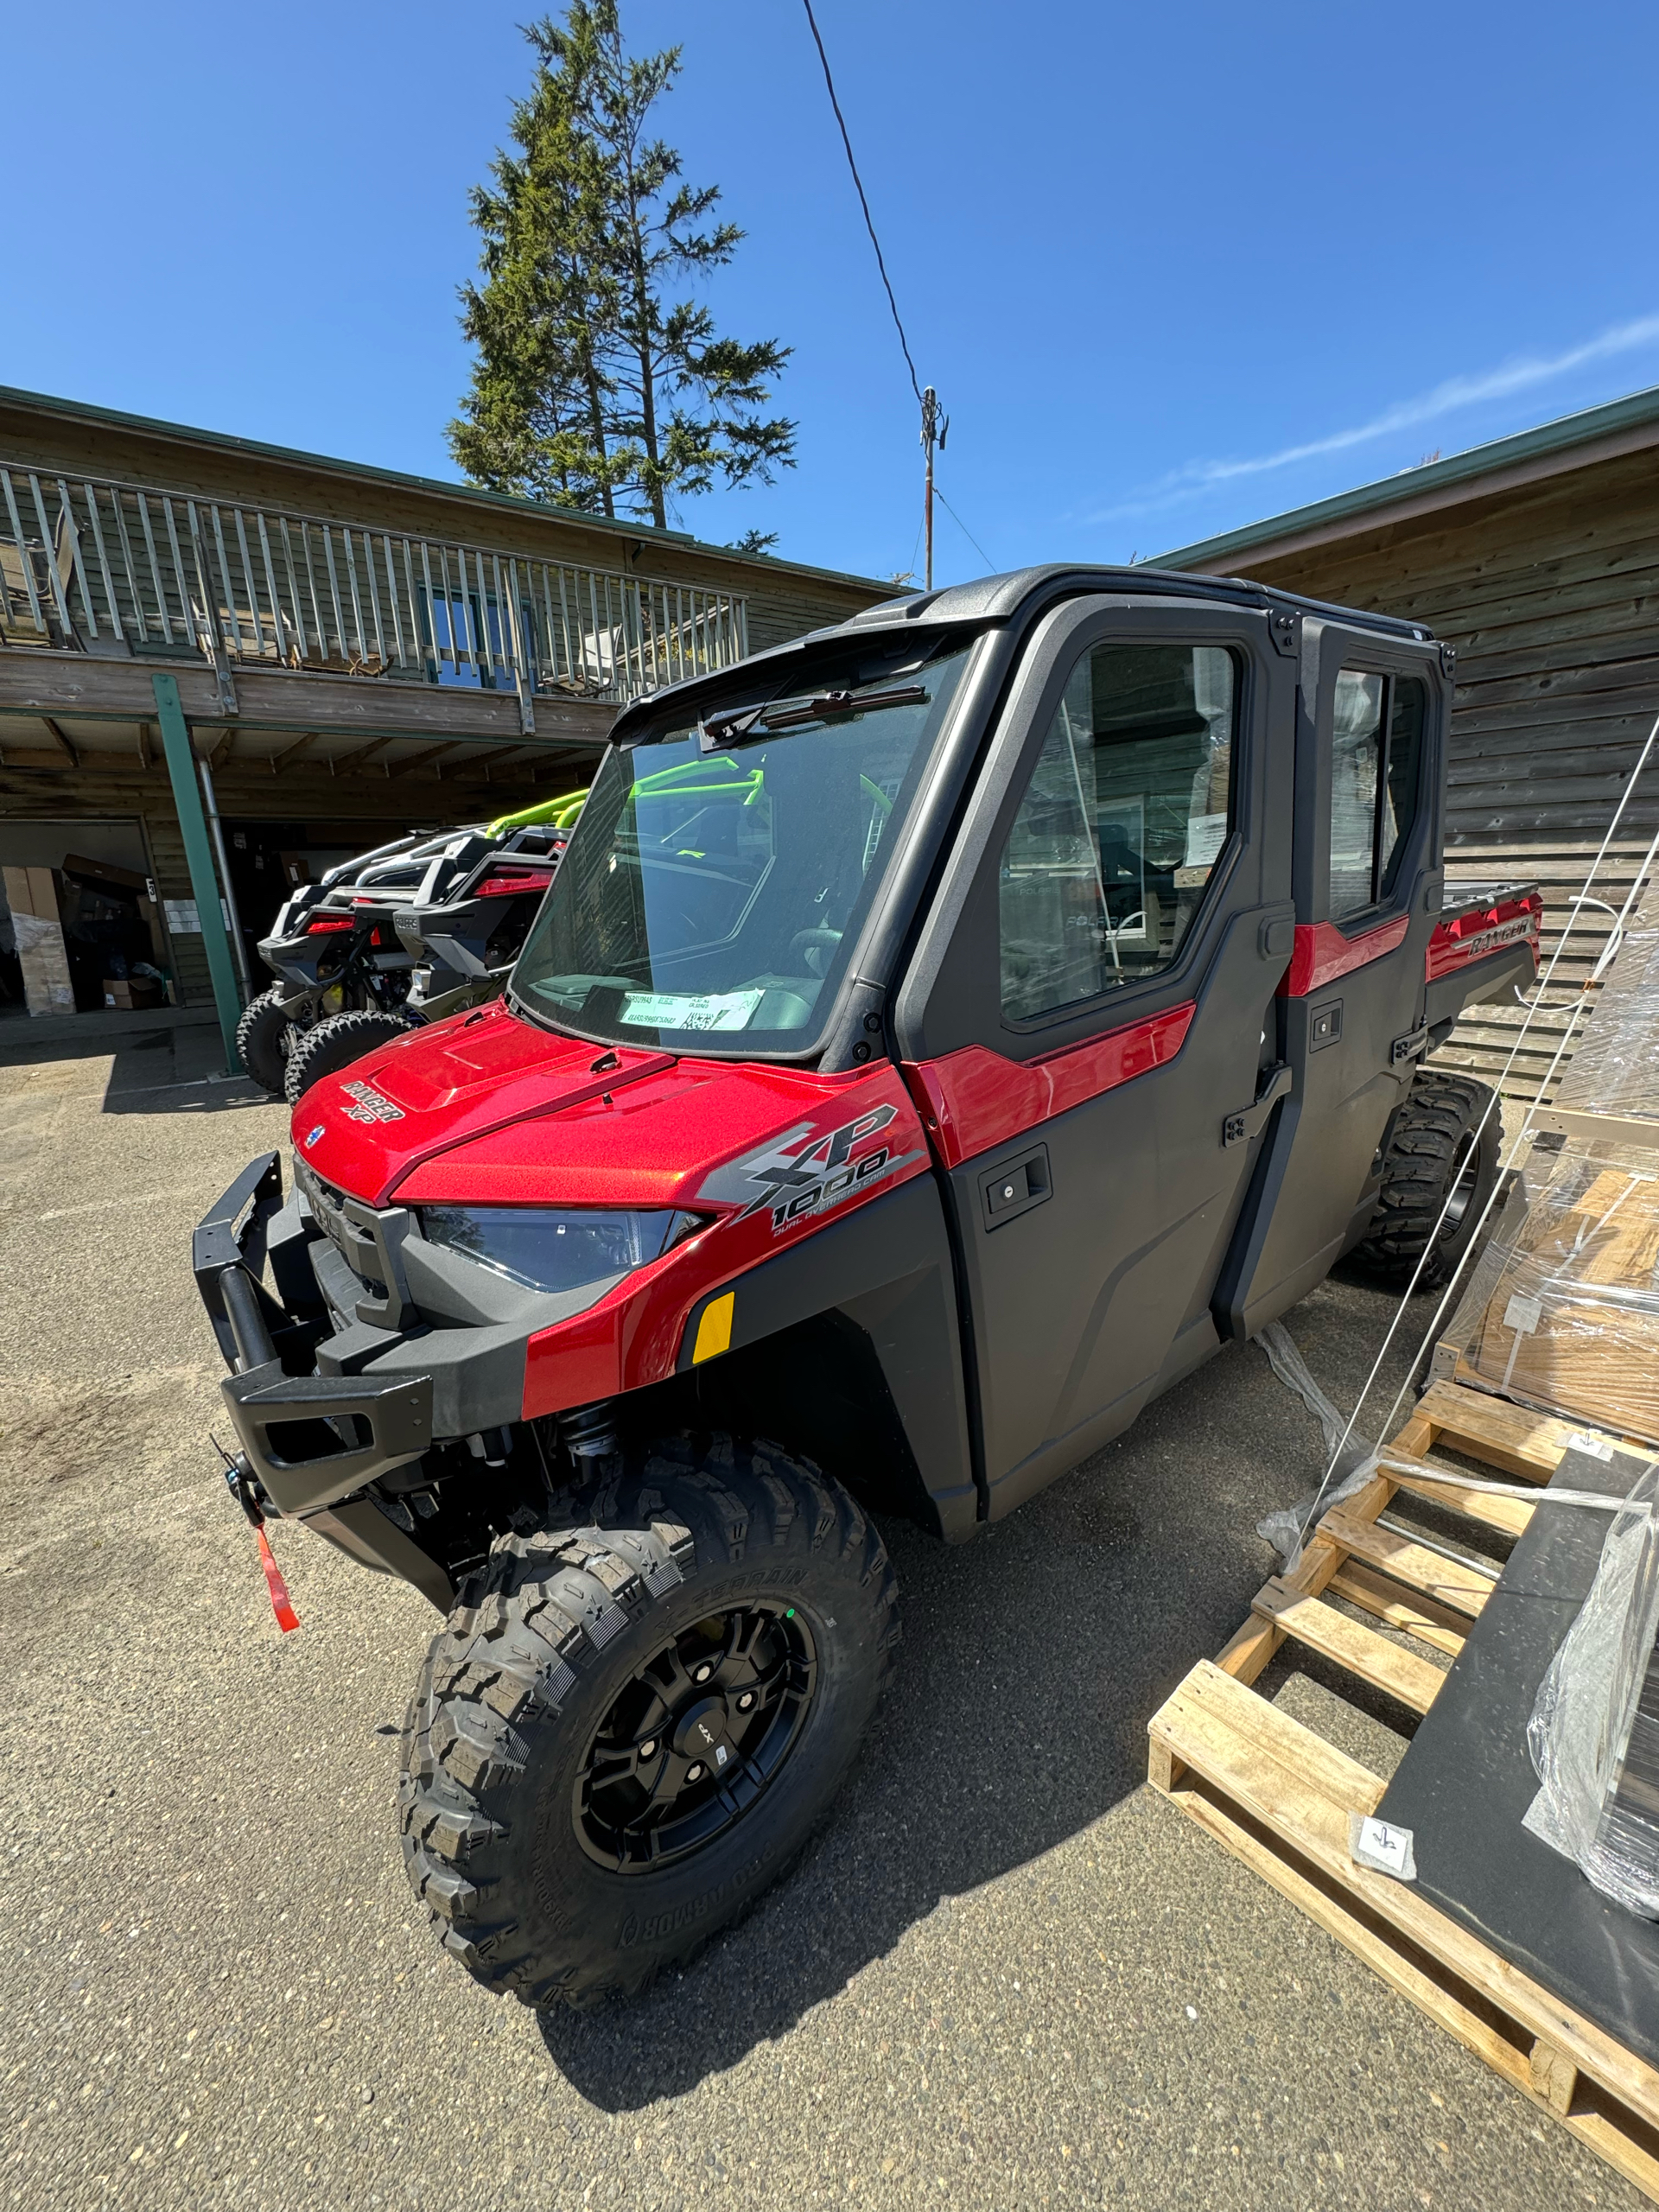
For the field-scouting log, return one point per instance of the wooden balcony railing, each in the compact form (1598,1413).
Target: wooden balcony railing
(111,568)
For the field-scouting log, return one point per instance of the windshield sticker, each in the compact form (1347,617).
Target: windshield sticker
(686,1010)
(806,1172)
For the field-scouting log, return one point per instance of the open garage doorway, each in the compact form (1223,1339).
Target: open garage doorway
(80,929)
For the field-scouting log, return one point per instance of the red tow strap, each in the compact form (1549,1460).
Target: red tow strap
(281,1604)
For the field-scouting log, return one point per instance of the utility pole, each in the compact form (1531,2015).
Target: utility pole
(935,426)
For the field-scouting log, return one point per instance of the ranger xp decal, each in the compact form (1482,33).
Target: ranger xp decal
(806,1172)
(370,1105)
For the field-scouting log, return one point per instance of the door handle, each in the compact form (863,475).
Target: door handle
(1239,1129)
(1014,1188)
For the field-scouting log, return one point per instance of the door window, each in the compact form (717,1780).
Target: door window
(1376,746)
(1126,811)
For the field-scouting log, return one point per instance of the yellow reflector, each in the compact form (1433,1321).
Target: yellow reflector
(715,1329)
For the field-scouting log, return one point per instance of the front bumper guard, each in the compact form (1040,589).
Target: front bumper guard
(309,1439)
(312,1439)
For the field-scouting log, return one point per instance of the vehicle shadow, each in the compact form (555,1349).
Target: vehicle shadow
(1030,1663)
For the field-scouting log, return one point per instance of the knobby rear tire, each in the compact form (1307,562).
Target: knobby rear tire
(1432,1146)
(541,1642)
(335,1042)
(265,1040)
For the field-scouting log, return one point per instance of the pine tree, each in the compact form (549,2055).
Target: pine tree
(593,387)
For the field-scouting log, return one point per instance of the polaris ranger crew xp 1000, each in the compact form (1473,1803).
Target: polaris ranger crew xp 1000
(943,1034)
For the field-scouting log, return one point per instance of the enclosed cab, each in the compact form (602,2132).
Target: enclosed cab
(943,1034)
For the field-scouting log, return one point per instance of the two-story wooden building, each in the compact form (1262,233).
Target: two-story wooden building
(223,659)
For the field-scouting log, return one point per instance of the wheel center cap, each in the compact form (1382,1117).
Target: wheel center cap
(702,1734)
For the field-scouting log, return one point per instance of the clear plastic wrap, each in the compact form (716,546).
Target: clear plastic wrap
(1594,1730)
(1283,1527)
(1562,1311)
(1616,1069)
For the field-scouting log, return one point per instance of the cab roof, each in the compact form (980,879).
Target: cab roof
(1020,593)
(998,599)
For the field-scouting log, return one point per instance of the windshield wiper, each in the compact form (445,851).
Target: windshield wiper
(718,731)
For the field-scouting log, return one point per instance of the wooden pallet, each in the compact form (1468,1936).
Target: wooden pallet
(1278,1797)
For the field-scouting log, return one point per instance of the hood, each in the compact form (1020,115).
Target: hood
(488,1109)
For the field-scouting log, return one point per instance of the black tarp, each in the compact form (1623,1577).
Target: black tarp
(1467,1779)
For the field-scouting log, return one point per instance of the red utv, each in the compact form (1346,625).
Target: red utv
(944,1034)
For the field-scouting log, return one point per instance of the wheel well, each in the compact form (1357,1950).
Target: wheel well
(815,1388)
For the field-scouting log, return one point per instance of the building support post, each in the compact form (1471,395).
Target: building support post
(199,858)
(238,941)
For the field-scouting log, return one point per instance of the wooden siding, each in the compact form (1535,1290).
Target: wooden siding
(1551,595)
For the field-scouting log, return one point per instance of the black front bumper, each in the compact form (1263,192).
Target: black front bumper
(308,1439)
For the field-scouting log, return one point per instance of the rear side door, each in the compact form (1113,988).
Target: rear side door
(1086,1022)
(1370,734)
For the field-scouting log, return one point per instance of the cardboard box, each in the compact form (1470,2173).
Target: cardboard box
(1572,1323)
(32,895)
(131,991)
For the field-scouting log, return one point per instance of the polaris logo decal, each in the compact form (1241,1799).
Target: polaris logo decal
(806,1172)
(313,1135)
(370,1107)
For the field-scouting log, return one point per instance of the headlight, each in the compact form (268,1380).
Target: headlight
(553,1250)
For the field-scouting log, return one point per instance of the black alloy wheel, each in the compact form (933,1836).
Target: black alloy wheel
(696,1735)
(1464,1175)
(569,1818)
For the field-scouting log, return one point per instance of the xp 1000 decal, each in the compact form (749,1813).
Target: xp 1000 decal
(807,1171)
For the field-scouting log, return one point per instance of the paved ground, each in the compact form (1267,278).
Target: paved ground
(1005,1976)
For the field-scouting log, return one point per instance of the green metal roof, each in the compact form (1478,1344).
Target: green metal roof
(79,411)
(1639,409)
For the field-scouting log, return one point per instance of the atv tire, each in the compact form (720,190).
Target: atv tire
(556,1822)
(265,1038)
(1438,1149)
(335,1042)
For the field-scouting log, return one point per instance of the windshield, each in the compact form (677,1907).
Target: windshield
(714,895)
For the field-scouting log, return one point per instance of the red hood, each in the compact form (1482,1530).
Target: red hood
(487,1109)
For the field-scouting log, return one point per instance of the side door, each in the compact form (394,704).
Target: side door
(1372,712)
(1086,1021)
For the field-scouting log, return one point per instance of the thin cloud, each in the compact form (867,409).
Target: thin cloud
(1195,477)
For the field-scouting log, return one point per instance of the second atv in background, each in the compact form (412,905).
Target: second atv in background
(459,935)
(339,957)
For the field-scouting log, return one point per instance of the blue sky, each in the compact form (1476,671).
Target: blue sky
(1171,268)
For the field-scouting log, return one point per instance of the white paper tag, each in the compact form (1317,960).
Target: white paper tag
(1596,1446)
(1380,1845)
(1523,1314)
(684,1010)
(1205,835)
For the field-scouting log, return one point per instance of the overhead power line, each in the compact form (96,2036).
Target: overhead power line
(935,422)
(858,185)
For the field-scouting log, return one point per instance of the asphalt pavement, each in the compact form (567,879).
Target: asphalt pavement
(1006,1974)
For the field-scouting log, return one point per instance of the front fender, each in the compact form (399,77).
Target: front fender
(886,1268)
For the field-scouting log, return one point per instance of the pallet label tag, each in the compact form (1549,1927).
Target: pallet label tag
(1523,1314)
(1380,1845)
